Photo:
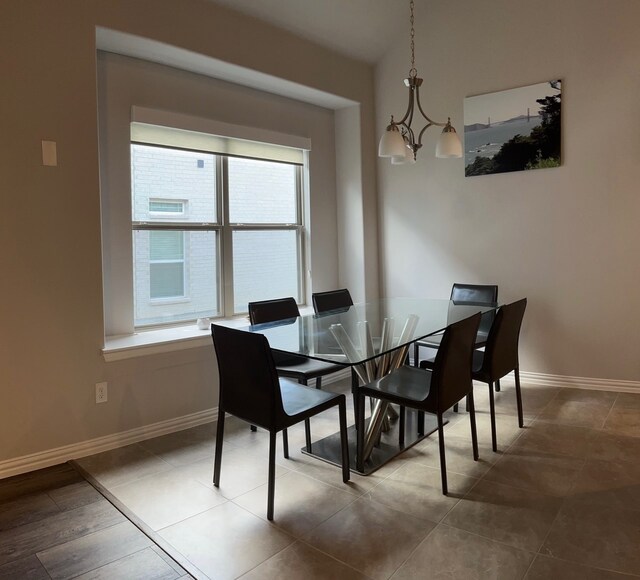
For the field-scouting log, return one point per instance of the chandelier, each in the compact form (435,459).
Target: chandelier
(400,141)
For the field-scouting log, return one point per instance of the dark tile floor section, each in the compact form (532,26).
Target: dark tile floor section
(54,524)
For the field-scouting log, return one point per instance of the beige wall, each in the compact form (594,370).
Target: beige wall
(51,318)
(566,238)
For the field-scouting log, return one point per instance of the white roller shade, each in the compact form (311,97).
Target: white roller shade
(186,132)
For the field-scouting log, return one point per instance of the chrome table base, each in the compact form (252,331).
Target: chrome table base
(328,449)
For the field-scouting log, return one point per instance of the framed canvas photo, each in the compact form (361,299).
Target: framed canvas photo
(513,130)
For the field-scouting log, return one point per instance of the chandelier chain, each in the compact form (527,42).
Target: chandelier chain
(412,71)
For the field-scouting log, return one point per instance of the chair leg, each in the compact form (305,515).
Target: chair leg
(516,372)
(355,408)
(360,432)
(492,409)
(420,422)
(455,408)
(498,386)
(416,355)
(443,462)
(472,420)
(218,453)
(401,424)
(307,423)
(272,474)
(344,442)
(319,383)
(307,434)
(285,443)
(254,428)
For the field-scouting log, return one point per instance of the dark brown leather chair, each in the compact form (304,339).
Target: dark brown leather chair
(253,392)
(432,391)
(499,358)
(461,294)
(333,300)
(300,368)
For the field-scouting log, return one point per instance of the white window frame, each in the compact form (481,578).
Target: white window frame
(229,227)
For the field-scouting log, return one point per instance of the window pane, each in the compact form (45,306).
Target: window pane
(265,266)
(166,280)
(167,245)
(181,178)
(187,258)
(174,207)
(262,192)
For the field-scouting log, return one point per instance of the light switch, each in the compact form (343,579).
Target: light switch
(49,153)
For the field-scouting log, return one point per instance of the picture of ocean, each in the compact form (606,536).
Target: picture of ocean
(513,130)
(487,142)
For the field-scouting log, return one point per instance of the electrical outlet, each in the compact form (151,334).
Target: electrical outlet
(101,392)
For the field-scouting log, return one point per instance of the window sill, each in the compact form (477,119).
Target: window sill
(150,342)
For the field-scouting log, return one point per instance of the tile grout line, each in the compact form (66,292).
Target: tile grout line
(353,499)
(48,548)
(333,557)
(564,500)
(295,539)
(43,566)
(415,549)
(609,413)
(165,546)
(482,478)
(106,563)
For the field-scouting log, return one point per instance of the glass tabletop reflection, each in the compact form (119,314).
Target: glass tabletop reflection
(366,331)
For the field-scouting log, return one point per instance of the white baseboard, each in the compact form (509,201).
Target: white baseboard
(541,379)
(547,380)
(337,376)
(77,450)
(565,381)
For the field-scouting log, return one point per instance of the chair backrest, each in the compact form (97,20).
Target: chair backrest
(273,310)
(331,300)
(501,351)
(451,378)
(249,386)
(478,294)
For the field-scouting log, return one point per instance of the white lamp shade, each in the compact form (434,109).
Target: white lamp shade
(408,157)
(391,144)
(449,144)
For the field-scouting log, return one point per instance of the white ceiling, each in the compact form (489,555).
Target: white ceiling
(361,29)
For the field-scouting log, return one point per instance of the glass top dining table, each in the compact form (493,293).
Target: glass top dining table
(372,338)
(365,331)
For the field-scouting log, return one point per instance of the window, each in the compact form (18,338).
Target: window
(212,232)
(166,264)
(166,208)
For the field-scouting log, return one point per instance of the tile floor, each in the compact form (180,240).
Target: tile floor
(53,524)
(561,499)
